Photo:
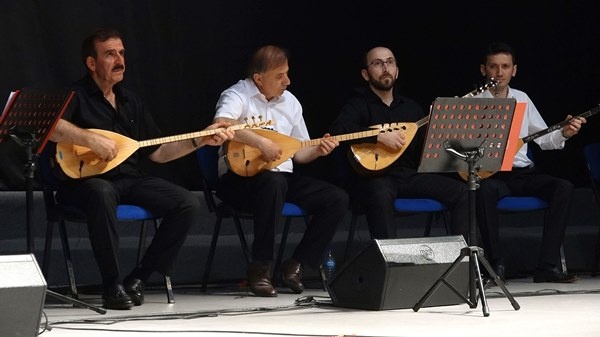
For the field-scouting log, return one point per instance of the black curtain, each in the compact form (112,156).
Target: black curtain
(181,54)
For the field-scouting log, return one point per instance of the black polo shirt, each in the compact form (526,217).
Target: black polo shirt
(365,108)
(89,109)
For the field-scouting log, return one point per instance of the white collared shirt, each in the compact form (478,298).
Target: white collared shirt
(532,123)
(243,99)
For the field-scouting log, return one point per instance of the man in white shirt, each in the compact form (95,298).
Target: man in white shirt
(263,93)
(500,63)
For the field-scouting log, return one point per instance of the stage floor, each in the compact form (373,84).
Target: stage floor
(546,310)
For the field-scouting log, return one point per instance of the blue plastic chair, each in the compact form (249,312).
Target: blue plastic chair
(403,206)
(591,153)
(343,161)
(207,158)
(62,213)
(529,204)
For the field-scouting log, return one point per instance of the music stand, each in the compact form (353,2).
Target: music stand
(481,131)
(29,118)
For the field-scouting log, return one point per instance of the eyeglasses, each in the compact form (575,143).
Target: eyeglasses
(378,64)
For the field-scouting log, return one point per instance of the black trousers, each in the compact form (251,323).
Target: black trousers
(178,208)
(557,192)
(264,195)
(375,195)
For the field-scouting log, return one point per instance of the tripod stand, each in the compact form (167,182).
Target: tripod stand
(16,122)
(474,252)
(467,122)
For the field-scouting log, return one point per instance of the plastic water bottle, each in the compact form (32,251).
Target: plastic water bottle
(329,266)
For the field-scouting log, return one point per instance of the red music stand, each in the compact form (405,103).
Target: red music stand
(29,118)
(470,135)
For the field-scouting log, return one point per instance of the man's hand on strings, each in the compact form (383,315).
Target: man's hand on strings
(222,134)
(105,148)
(394,139)
(573,127)
(327,145)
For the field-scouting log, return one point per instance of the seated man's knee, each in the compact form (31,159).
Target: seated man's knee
(563,187)
(272,182)
(101,192)
(340,199)
(192,202)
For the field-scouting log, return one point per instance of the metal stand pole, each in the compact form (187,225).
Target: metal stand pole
(29,141)
(474,252)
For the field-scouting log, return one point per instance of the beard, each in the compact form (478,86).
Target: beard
(384,83)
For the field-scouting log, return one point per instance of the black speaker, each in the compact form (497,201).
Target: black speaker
(22,295)
(396,274)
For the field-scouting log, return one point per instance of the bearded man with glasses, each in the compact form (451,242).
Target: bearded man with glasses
(378,103)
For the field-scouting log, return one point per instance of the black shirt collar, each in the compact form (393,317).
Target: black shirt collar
(91,88)
(373,98)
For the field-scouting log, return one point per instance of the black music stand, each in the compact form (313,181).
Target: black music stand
(29,118)
(480,131)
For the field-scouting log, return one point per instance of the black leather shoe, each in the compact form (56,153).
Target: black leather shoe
(553,276)
(291,275)
(259,280)
(135,289)
(116,298)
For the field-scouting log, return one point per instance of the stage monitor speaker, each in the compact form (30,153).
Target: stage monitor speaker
(396,274)
(22,295)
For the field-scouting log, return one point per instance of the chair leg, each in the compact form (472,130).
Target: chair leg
(213,246)
(429,224)
(68,261)
(282,244)
(142,241)
(48,248)
(563,262)
(169,289)
(142,246)
(445,217)
(242,237)
(597,257)
(211,253)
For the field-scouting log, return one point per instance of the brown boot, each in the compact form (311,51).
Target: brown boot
(291,273)
(259,281)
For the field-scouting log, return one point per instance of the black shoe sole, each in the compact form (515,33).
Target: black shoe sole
(261,294)
(118,306)
(136,298)
(294,288)
(564,279)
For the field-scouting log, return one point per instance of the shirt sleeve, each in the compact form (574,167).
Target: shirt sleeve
(229,105)
(551,141)
(299,131)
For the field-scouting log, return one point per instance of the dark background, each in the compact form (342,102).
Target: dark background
(182,54)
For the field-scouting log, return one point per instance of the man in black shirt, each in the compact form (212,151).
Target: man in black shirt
(102,103)
(378,103)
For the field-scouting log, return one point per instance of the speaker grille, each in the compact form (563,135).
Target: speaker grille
(444,249)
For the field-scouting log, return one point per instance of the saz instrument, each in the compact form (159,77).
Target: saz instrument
(523,141)
(247,161)
(376,156)
(80,162)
